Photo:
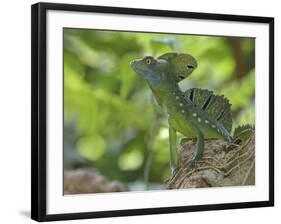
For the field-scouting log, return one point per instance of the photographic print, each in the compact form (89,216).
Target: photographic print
(141,111)
(153,111)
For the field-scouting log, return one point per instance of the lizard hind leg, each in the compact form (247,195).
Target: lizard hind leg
(199,149)
(173,151)
(185,140)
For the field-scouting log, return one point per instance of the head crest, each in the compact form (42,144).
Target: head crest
(181,65)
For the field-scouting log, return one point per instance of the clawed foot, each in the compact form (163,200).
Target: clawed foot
(173,174)
(193,162)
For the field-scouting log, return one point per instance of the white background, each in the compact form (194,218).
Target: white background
(15,111)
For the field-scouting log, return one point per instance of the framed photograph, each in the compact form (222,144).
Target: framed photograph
(139,111)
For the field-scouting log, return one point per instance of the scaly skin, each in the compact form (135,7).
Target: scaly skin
(162,76)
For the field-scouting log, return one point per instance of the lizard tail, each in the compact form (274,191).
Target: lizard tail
(243,132)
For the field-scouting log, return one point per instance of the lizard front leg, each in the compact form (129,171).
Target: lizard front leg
(199,148)
(173,150)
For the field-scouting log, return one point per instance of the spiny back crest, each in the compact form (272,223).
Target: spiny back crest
(244,131)
(215,106)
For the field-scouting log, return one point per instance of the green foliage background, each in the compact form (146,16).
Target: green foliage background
(110,120)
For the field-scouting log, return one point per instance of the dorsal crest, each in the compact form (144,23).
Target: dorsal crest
(215,106)
(243,132)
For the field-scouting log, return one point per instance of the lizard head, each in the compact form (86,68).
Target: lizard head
(169,66)
(154,71)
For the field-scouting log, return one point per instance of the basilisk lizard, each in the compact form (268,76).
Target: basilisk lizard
(195,113)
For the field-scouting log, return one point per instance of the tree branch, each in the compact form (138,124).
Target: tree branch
(223,164)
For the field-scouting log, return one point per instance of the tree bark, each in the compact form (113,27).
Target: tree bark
(89,180)
(240,67)
(223,164)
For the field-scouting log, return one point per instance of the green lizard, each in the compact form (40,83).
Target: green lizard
(195,113)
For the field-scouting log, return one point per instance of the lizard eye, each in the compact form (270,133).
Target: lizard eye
(190,66)
(148,61)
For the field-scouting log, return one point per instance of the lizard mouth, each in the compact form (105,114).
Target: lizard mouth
(136,68)
(133,64)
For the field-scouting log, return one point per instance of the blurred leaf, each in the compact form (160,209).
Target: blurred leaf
(246,116)
(92,147)
(165,44)
(131,160)
(127,75)
(246,88)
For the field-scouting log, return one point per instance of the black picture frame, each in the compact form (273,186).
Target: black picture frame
(39,122)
